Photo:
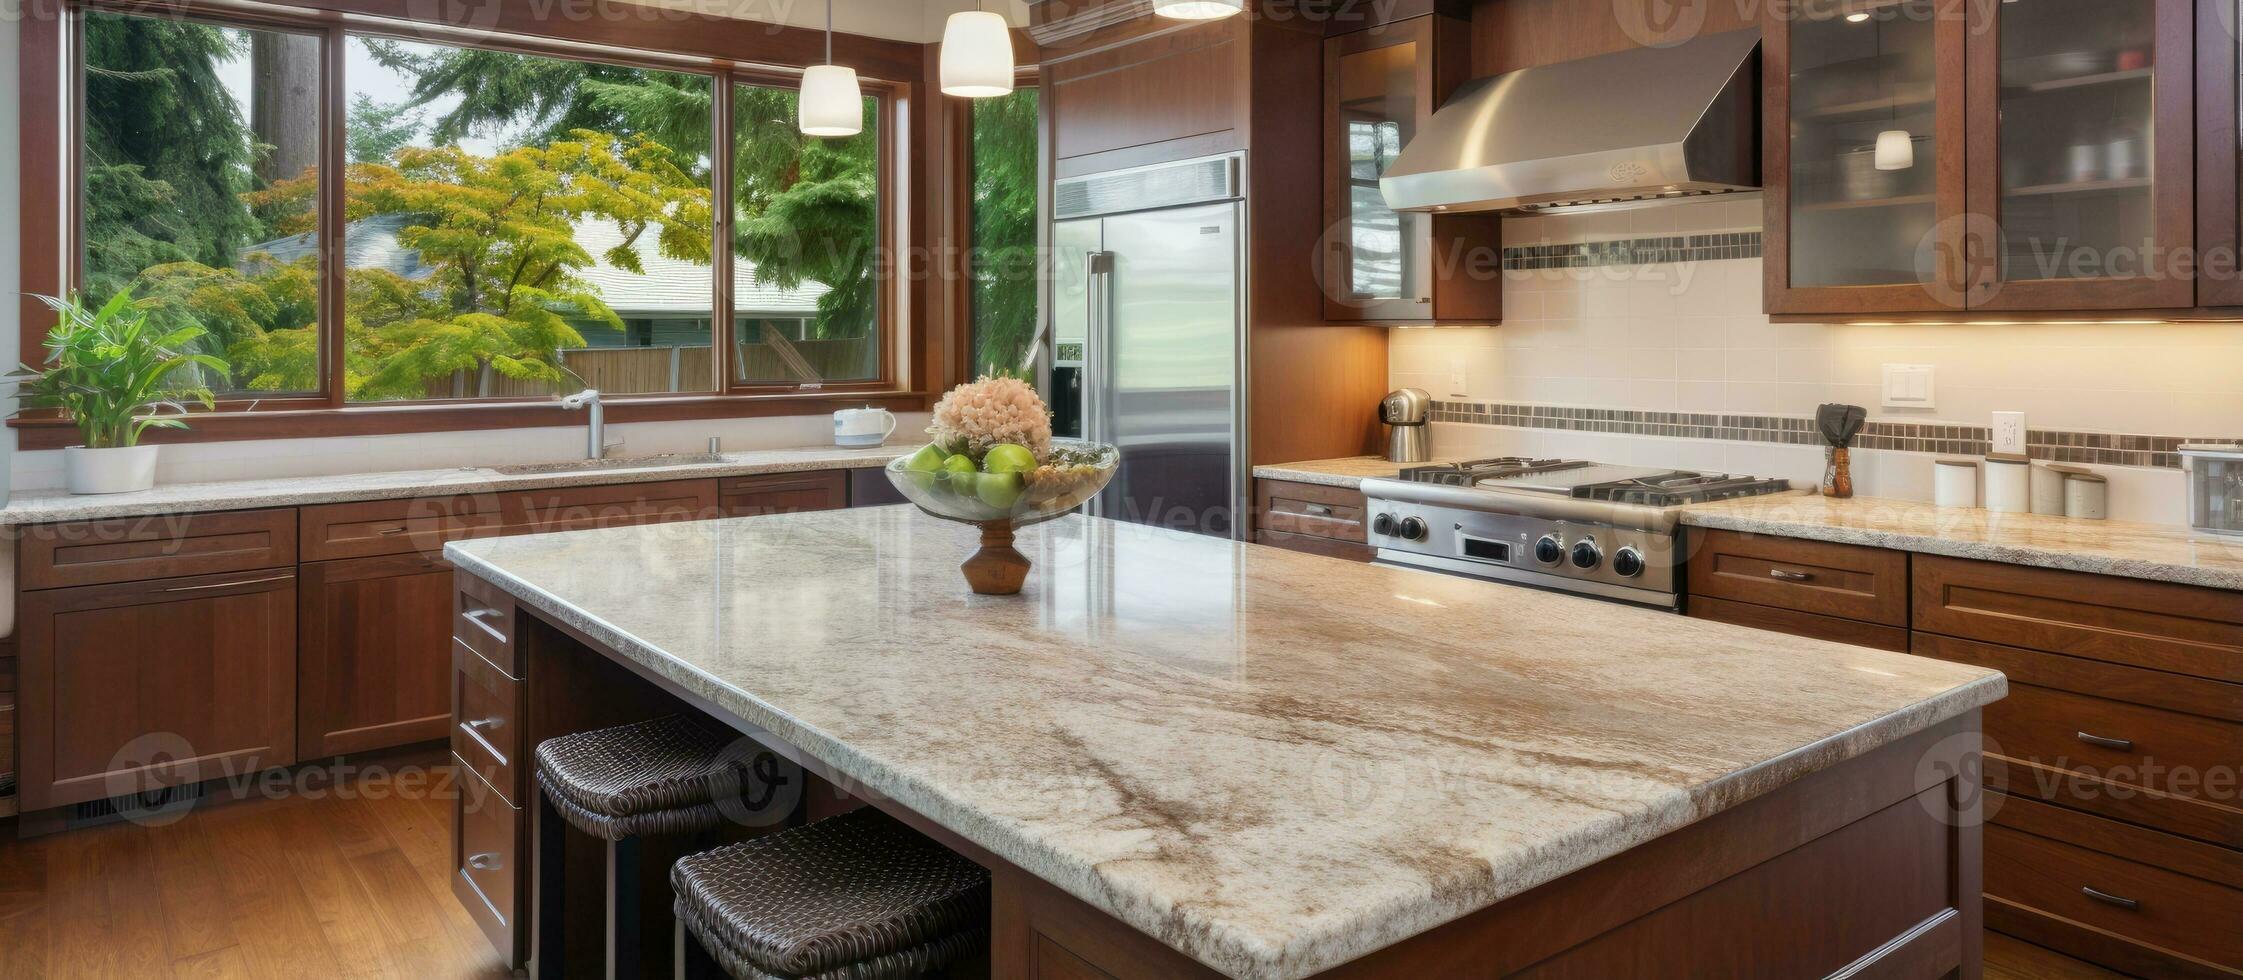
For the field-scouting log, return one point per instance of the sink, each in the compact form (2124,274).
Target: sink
(615,463)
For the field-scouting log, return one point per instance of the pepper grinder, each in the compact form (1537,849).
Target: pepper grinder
(1839,424)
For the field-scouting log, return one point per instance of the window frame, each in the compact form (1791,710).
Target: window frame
(893,72)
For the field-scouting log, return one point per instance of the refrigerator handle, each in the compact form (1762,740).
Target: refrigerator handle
(1098,296)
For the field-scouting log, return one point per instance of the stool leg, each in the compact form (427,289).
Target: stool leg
(551,886)
(623,952)
(693,961)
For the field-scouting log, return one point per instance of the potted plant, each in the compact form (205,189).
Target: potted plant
(117,375)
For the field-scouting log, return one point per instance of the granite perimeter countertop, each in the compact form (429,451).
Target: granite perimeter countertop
(2159,552)
(1348,471)
(43,506)
(1271,761)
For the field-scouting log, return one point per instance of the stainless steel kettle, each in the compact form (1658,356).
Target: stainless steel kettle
(1405,412)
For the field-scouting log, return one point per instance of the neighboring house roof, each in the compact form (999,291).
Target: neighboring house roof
(669,288)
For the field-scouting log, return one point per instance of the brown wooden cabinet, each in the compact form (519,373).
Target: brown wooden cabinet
(131,686)
(374,645)
(1310,517)
(2116,829)
(1380,85)
(784,493)
(1961,157)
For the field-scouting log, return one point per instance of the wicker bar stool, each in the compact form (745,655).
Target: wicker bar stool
(669,776)
(853,897)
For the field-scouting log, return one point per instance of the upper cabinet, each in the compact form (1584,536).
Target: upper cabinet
(2219,165)
(1957,156)
(1380,85)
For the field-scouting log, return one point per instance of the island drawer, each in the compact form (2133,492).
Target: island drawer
(783,493)
(1796,623)
(52,556)
(1309,509)
(2110,893)
(2138,745)
(575,508)
(396,527)
(486,722)
(2178,628)
(486,875)
(484,621)
(1817,577)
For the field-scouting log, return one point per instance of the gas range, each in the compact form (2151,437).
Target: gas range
(1570,525)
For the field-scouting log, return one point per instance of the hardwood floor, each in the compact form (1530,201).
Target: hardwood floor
(350,883)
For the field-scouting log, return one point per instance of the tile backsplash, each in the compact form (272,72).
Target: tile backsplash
(1590,324)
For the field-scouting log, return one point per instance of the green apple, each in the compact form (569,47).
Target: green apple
(1007,457)
(928,459)
(960,463)
(998,490)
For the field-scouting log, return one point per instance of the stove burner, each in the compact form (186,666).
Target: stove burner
(1465,473)
(1681,488)
(1672,488)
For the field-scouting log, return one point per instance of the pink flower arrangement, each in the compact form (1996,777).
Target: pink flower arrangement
(973,417)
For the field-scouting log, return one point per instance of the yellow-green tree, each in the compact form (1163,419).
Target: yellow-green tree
(496,233)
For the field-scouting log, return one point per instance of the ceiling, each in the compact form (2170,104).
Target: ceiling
(901,20)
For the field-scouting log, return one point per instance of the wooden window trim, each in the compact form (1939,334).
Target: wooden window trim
(913,360)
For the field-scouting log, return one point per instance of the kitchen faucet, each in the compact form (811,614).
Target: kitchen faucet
(596,445)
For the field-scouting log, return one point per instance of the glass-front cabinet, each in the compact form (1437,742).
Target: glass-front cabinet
(1945,156)
(2085,107)
(2219,154)
(1380,85)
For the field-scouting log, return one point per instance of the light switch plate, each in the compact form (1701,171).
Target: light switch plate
(1459,385)
(1909,386)
(2009,432)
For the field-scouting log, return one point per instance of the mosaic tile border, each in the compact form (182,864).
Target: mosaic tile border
(1635,251)
(2060,446)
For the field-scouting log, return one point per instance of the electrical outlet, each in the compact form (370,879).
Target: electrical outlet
(1459,385)
(2009,433)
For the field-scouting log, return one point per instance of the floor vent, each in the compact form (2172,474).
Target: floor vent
(153,803)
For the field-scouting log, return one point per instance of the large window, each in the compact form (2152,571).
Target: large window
(194,134)
(806,231)
(513,225)
(1004,231)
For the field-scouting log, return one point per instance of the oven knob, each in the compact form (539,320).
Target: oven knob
(1383,524)
(1413,529)
(1586,554)
(1628,563)
(1549,550)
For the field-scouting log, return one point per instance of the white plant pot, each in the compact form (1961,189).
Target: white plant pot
(109,470)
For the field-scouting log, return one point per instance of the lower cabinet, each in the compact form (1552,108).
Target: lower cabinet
(1310,517)
(2115,822)
(374,648)
(128,687)
(783,493)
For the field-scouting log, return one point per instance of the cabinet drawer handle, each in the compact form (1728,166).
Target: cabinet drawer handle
(1789,575)
(385,532)
(229,585)
(480,725)
(1317,510)
(2109,899)
(2121,744)
(486,861)
(476,616)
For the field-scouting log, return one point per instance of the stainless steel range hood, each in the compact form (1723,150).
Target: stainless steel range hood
(1617,130)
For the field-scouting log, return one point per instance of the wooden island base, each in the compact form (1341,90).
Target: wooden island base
(1867,869)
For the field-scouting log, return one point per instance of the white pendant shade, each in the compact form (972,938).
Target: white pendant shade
(1197,9)
(977,55)
(831,104)
(1895,150)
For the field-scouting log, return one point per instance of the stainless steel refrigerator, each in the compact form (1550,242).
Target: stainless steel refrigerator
(1147,337)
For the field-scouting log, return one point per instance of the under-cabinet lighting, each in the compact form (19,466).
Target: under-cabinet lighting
(1197,9)
(2014,323)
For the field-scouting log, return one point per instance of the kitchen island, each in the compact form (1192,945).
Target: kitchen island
(1180,755)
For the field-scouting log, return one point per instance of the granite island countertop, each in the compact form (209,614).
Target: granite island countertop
(1345,471)
(2159,552)
(43,506)
(1273,762)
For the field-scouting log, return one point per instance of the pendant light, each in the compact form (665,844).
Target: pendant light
(1197,9)
(977,54)
(831,104)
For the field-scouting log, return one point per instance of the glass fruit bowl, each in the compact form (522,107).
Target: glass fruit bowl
(1073,472)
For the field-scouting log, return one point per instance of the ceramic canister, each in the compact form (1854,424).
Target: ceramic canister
(1955,482)
(2009,483)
